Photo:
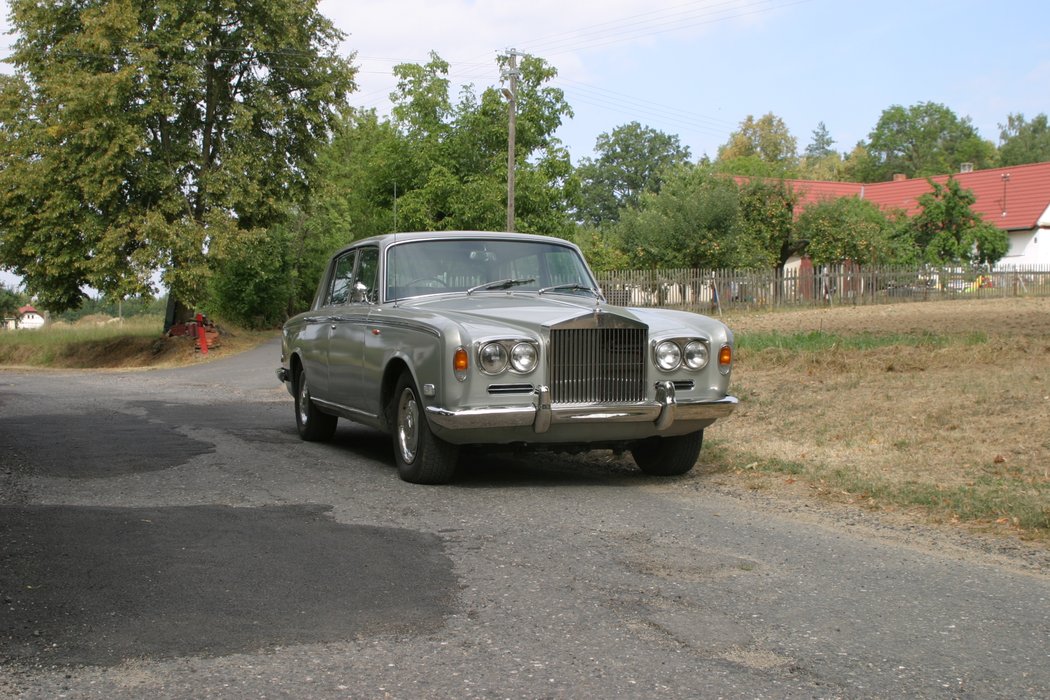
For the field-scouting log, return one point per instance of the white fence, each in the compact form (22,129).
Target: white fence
(708,290)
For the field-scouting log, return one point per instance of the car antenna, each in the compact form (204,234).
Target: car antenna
(388,275)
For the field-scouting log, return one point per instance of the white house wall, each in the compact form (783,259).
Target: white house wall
(1029,247)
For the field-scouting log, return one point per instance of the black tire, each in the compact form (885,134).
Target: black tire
(668,456)
(314,425)
(421,456)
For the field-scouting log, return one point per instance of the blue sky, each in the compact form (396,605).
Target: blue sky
(697,69)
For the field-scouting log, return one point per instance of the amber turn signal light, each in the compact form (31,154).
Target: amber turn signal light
(725,358)
(460,363)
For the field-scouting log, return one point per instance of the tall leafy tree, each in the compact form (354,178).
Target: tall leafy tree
(948,231)
(1023,141)
(922,140)
(448,161)
(766,140)
(140,136)
(630,160)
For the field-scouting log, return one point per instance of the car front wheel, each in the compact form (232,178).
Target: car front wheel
(313,424)
(421,456)
(668,456)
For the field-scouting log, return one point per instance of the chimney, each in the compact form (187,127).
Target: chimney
(899,177)
(966,168)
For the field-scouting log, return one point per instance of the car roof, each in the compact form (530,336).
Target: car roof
(388,239)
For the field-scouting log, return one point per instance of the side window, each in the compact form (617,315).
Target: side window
(365,289)
(342,280)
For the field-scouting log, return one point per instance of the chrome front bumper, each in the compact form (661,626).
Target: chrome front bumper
(662,413)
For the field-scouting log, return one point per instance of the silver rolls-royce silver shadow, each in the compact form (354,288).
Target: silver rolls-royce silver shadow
(471,338)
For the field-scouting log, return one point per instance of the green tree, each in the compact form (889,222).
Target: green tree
(1024,141)
(922,140)
(850,228)
(602,248)
(253,279)
(765,232)
(143,136)
(690,223)
(447,162)
(766,140)
(820,161)
(821,145)
(630,160)
(948,231)
(10,301)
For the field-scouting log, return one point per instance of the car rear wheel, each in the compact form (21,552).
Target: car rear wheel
(668,456)
(421,456)
(313,424)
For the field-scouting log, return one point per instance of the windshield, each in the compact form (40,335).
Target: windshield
(415,268)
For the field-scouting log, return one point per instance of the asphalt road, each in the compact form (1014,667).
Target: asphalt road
(165,534)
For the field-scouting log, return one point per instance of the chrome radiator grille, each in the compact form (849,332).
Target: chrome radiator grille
(598,365)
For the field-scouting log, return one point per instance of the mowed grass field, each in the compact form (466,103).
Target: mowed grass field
(939,409)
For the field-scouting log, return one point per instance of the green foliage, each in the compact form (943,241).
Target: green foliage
(689,223)
(252,281)
(137,135)
(821,145)
(766,231)
(766,138)
(439,165)
(948,231)
(820,161)
(602,249)
(1024,141)
(11,301)
(755,167)
(849,228)
(631,160)
(110,306)
(922,140)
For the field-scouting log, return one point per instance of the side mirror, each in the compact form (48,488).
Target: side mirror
(360,293)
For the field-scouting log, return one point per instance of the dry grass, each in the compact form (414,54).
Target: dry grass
(946,411)
(98,342)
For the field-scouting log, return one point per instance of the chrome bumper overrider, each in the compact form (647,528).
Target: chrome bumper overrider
(662,412)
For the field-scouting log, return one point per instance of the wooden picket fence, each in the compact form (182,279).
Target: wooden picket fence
(709,291)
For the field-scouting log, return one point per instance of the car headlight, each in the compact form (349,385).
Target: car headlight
(696,355)
(492,358)
(668,355)
(523,357)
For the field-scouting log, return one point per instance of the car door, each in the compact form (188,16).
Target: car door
(346,338)
(317,327)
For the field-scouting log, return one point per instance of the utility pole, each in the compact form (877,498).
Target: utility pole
(512,109)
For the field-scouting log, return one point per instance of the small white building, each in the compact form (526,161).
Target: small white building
(28,319)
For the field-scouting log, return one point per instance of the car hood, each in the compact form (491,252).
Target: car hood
(532,312)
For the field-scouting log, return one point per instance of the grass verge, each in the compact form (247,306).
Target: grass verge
(930,409)
(113,343)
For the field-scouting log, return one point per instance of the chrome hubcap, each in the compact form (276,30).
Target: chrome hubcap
(408,426)
(304,401)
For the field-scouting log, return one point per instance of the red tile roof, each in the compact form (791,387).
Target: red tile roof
(1011,198)
(27,309)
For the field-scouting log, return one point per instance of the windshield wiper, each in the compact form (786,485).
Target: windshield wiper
(574,287)
(501,284)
